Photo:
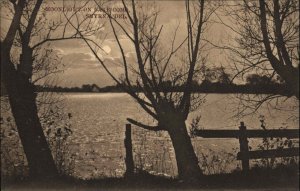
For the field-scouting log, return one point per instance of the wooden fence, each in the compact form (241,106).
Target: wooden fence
(243,134)
(128,148)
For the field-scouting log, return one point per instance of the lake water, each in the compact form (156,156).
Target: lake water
(110,110)
(98,125)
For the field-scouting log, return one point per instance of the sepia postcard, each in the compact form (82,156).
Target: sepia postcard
(149,95)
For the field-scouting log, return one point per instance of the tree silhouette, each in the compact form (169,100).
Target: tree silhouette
(25,59)
(155,68)
(258,80)
(266,42)
(268,39)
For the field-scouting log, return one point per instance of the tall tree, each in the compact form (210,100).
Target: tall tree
(281,39)
(21,46)
(265,41)
(154,66)
(22,95)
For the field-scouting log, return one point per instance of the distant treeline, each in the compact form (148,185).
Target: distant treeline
(216,87)
(83,88)
(255,84)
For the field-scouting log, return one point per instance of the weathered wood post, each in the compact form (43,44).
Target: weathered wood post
(128,147)
(244,149)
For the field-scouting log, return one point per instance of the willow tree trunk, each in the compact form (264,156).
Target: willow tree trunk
(187,161)
(22,99)
(291,77)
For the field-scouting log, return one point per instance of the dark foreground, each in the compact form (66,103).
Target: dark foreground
(254,180)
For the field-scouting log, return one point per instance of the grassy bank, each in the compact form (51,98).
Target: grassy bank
(281,178)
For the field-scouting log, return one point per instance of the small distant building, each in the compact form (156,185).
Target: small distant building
(95,88)
(90,88)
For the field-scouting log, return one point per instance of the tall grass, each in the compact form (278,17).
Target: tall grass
(57,129)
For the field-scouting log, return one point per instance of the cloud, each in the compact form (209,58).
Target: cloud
(78,60)
(69,44)
(83,66)
(79,76)
(88,61)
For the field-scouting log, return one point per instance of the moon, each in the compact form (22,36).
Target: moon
(107,49)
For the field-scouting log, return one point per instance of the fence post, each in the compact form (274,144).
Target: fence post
(244,149)
(128,147)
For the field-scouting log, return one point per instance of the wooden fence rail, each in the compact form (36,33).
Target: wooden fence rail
(243,134)
(288,133)
(287,152)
